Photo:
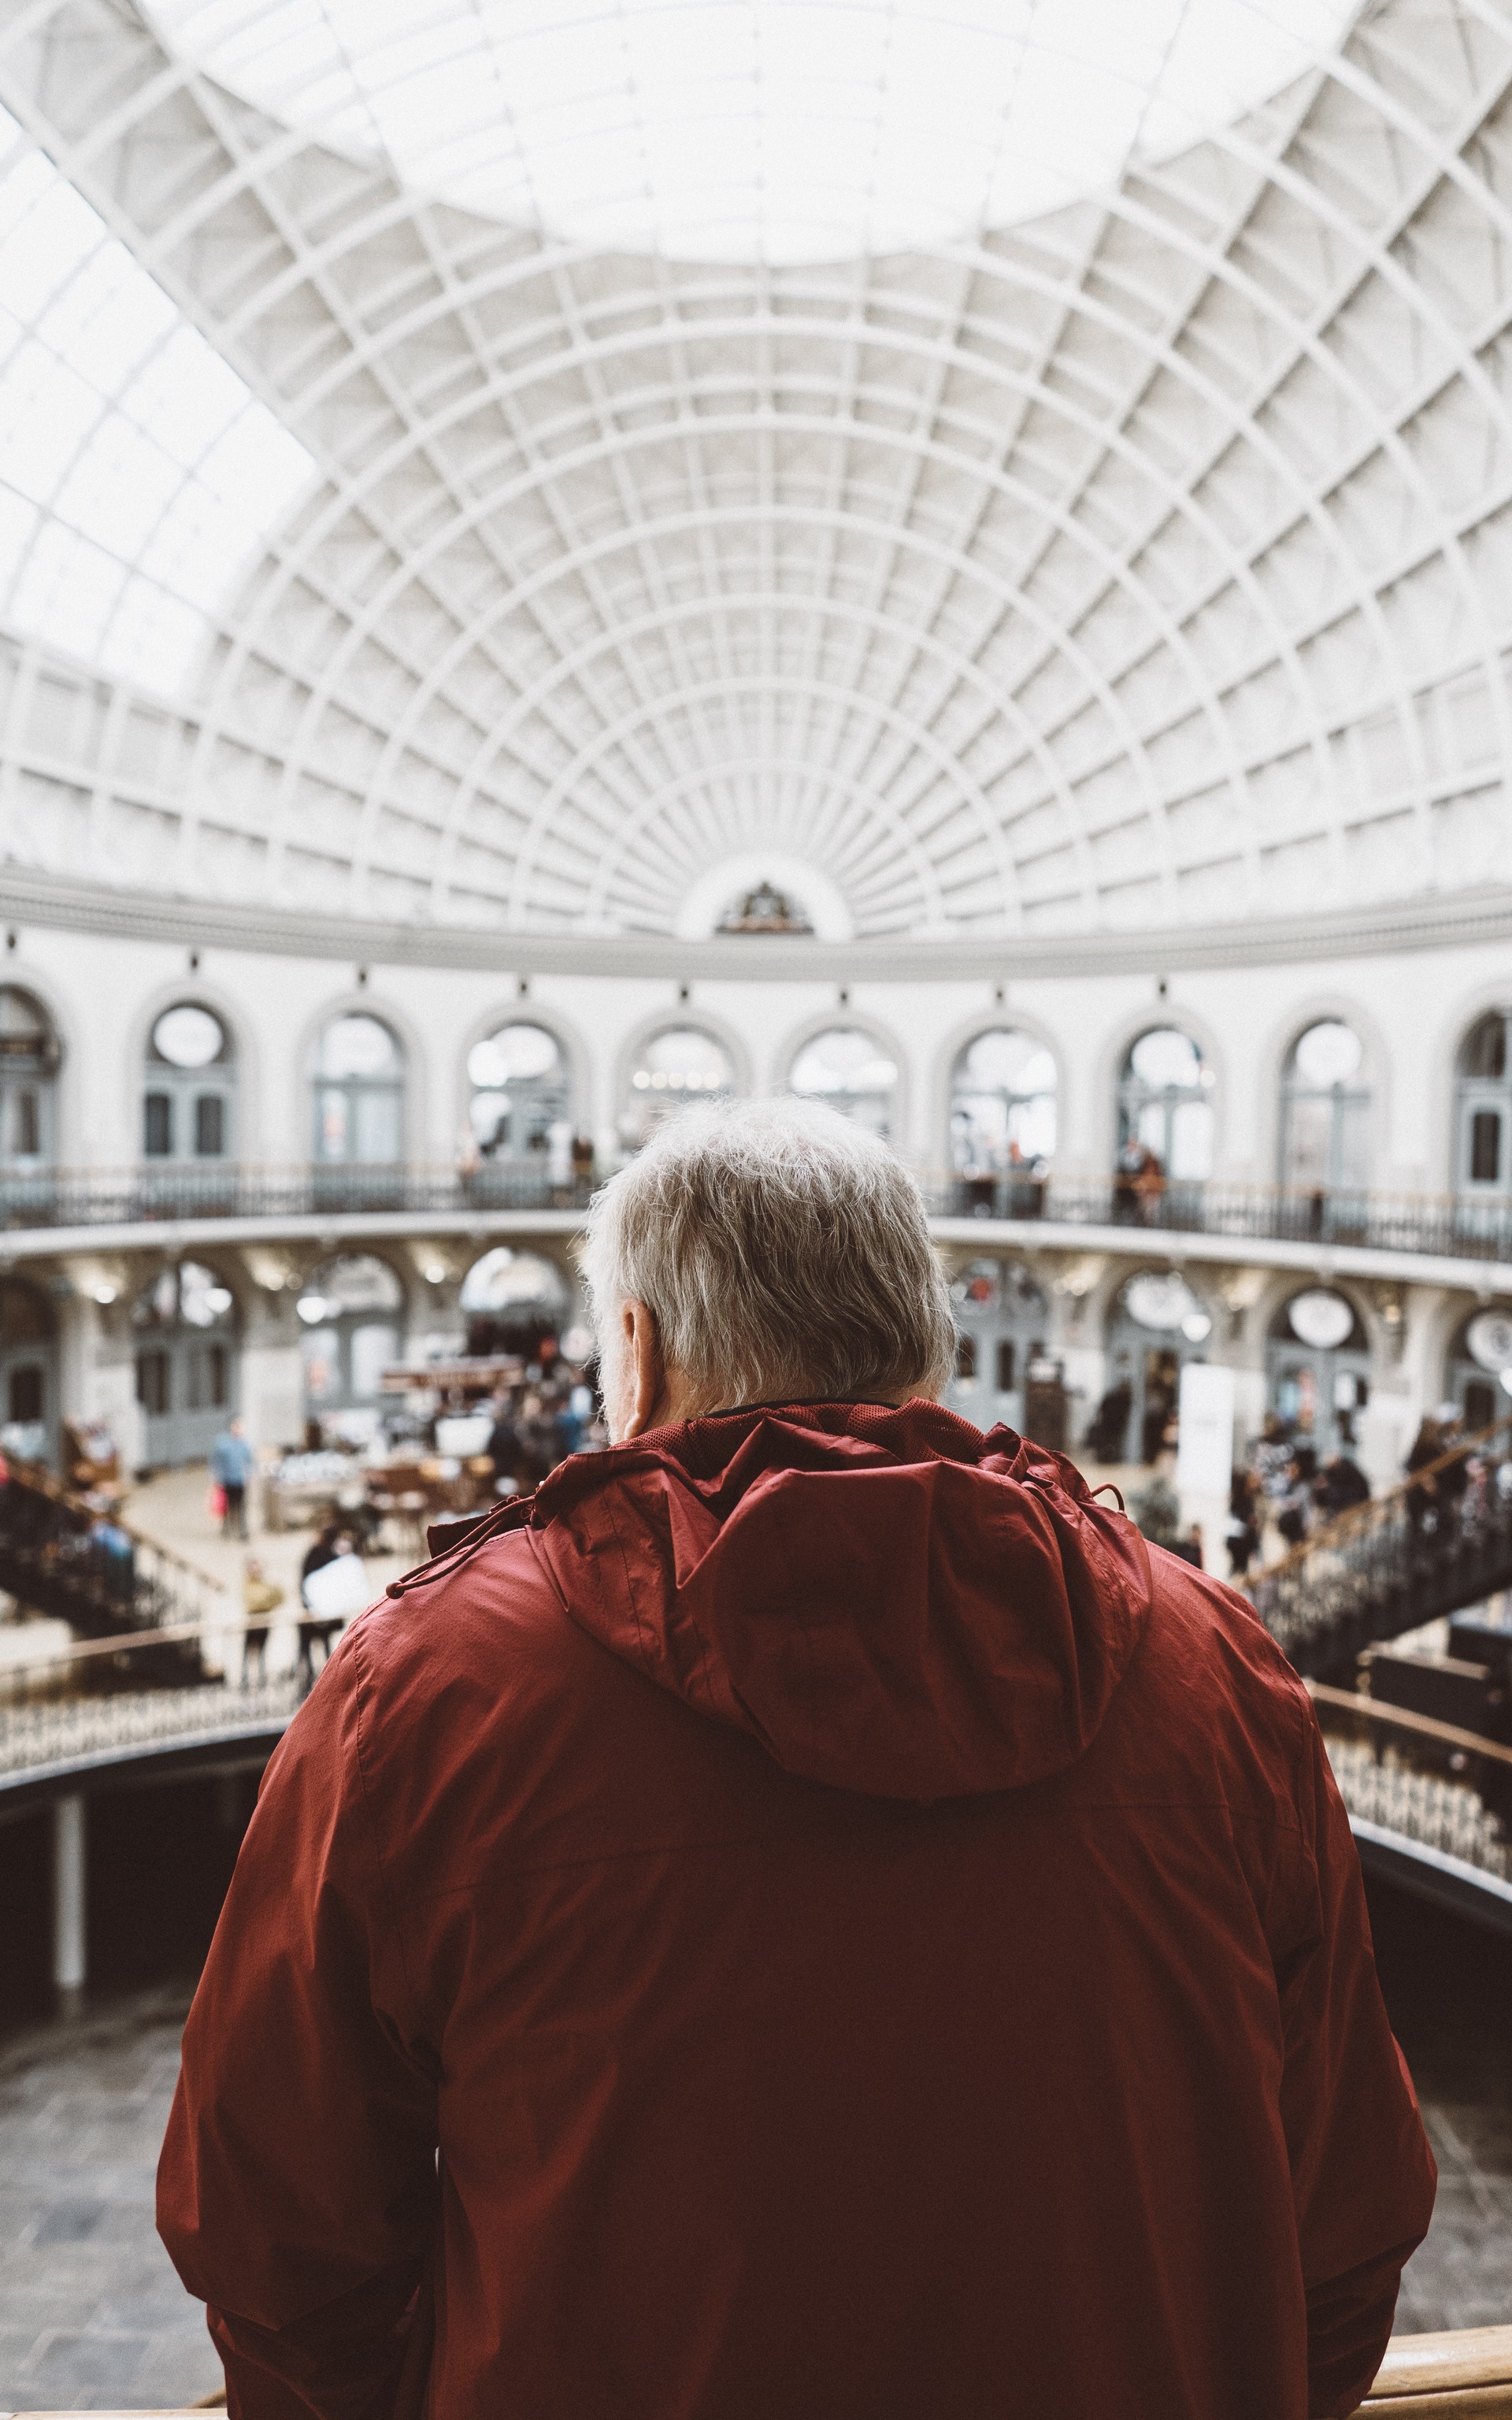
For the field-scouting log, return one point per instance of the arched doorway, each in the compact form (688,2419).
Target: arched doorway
(1318,1369)
(351,1317)
(29,1372)
(187,1364)
(359,1113)
(1325,1113)
(1003,1117)
(1478,1369)
(510,1301)
(1483,1106)
(190,1089)
(851,1070)
(1002,1321)
(679,1064)
(1164,1120)
(521,1108)
(1158,1325)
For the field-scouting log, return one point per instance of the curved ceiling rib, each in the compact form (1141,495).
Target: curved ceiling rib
(1150,562)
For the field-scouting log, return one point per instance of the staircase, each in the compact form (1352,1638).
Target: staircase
(59,1558)
(1441,1540)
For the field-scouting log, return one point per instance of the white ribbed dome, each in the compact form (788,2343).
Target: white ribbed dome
(1144,563)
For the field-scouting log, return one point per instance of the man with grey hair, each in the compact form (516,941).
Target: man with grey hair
(805,1917)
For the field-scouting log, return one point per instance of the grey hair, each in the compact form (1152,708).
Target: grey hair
(783,1251)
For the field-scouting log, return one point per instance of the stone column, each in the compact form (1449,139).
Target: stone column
(70,1902)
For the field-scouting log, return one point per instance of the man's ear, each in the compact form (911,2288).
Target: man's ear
(647,1370)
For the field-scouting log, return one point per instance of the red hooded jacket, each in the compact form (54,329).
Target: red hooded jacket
(807,1918)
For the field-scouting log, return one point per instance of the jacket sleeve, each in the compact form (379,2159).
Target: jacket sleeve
(1362,2175)
(296,2186)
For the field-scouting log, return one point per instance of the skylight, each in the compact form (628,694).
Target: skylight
(777,129)
(138,473)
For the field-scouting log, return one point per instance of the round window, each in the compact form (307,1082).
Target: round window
(1489,1338)
(1320,1319)
(189,1037)
(1166,1302)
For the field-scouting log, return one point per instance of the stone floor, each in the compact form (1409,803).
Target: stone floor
(91,2313)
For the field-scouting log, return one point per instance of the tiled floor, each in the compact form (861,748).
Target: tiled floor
(91,2314)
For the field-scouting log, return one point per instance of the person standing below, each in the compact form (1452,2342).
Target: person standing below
(260,1597)
(232,1464)
(809,1917)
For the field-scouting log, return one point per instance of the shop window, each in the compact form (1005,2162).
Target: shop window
(1003,1103)
(680,1064)
(852,1072)
(191,1086)
(359,1094)
(1166,1120)
(1325,1111)
(521,1108)
(29,1058)
(1483,1088)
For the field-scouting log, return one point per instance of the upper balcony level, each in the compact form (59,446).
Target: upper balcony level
(1447,1239)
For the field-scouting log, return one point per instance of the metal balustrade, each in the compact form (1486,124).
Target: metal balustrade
(1476,1228)
(1441,1540)
(58,1557)
(1427,1783)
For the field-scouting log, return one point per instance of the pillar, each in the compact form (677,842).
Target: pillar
(68,1902)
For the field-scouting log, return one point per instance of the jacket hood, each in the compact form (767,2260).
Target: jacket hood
(890,1601)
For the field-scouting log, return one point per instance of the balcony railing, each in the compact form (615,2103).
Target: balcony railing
(1441,1540)
(1478,1228)
(1427,1783)
(1475,1227)
(124,1197)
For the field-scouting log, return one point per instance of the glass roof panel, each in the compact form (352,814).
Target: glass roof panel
(138,473)
(777,129)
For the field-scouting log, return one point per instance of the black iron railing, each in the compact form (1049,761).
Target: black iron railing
(1469,1228)
(62,1556)
(152,1194)
(1441,1540)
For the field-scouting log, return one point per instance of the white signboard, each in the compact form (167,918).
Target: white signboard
(1205,1440)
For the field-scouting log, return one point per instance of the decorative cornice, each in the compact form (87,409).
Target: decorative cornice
(1431,923)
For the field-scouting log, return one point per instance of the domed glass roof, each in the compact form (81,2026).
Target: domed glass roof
(492,468)
(756,129)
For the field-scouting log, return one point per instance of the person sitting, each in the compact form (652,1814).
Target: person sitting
(809,1917)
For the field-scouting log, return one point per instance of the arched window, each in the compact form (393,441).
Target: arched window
(189,1094)
(29,1372)
(186,1362)
(1166,1108)
(359,1094)
(1002,1102)
(350,1313)
(1318,1368)
(679,1064)
(1325,1111)
(522,1105)
(29,1057)
(1483,1123)
(1002,1320)
(1479,1368)
(510,1300)
(851,1071)
(1156,1325)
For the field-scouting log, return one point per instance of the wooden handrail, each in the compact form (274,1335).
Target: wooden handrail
(1417,1726)
(1375,1508)
(1464,2375)
(37,1476)
(1450,2377)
